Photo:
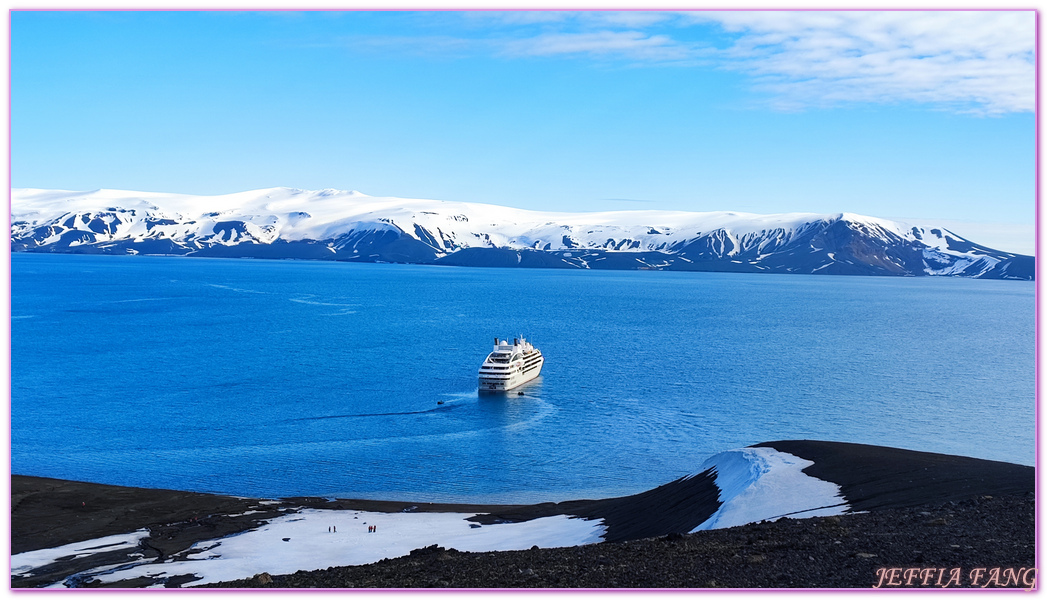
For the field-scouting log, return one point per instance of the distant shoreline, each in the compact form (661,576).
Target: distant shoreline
(601,260)
(49,513)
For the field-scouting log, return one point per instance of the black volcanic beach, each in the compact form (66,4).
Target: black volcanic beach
(924,511)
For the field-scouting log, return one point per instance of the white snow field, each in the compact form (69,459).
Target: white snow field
(27,561)
(310,545)
(763,484)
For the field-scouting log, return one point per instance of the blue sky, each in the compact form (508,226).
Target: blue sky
(904,114)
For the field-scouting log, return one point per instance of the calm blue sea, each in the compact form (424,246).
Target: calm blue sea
(279,378)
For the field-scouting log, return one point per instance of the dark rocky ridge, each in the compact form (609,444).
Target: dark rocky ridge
(877,477)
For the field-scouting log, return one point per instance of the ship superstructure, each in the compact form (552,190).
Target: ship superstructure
(509,365)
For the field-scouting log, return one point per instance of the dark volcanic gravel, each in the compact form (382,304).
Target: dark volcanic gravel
(52,512)
(843,551)
(875,477)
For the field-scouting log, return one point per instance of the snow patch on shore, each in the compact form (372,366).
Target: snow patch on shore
(25,562)
(314,539)
(763,484)
(311,547)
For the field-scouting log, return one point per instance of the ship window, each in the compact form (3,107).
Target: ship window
(499,357)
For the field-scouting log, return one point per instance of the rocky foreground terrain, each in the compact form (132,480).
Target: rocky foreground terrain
(912,519)
(955,544)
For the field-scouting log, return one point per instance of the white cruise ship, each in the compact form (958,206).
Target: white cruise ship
(510,365)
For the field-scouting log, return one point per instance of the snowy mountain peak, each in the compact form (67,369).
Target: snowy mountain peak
(335,224)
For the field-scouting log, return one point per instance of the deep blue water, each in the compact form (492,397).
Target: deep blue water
(278,378)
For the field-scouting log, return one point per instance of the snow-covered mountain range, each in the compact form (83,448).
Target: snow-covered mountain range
(351,226)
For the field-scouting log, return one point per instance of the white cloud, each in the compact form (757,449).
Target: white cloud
(519,17)
(631,44)
(584,18)
(628,18)
(967,61)
(594,34)
(981,61)
(444,45)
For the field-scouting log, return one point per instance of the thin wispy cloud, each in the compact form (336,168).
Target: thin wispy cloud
(966,61)
(579,18)
(634,45)
(518,17)
(583,34)
(626,18)
(975,61)
(427,45)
